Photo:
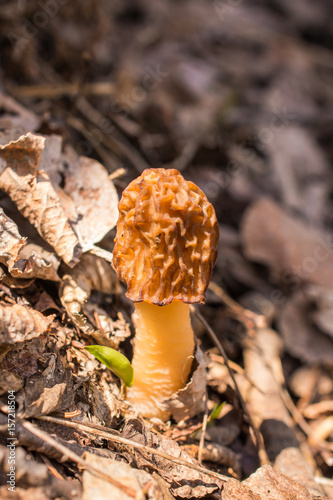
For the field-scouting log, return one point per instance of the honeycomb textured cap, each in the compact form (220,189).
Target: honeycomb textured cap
(166,241)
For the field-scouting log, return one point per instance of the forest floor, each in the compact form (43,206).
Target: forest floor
(237,96)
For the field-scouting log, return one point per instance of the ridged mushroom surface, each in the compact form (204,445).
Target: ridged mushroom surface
(167,233)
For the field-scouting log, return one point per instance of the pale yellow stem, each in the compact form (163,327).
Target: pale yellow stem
(163,355)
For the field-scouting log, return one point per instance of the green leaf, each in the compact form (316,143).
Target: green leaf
(115,361)
(216,411)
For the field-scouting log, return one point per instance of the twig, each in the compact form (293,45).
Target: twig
(117,173)
(110,435)
(118,145)
(58,90)
(203,431)
(259,439)
(69,455)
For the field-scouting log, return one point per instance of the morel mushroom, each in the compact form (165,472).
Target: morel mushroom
(165,249)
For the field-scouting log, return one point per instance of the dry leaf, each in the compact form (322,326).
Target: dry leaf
(322,307)
(95,487)
(184,482)
(36,264)
(190,400)
(294,252)
(263,484)
(9,381)
(300,166)
(265,481)
(8,280)
(48,394)
(34,195)
(11,242)
(301,338)
(51,160)
(104,398)
(19,323)
(95,197)
(92,273)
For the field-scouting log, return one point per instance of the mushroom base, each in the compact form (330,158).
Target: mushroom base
(163,355)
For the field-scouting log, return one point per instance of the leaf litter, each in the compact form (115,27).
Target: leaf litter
(256,139)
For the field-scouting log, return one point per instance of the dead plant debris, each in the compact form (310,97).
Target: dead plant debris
(238,97)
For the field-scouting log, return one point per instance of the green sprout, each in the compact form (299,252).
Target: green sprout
(115,361)
(216,412)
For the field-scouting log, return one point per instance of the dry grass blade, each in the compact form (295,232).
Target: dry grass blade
(109,434)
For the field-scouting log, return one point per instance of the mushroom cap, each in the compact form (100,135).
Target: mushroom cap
(166,241)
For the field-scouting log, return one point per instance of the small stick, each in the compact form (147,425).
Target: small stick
(117,173)
(109,434)
(58,90)
(203,432)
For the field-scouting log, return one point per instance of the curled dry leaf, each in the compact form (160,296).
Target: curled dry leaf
(95,197)
(23,261)
(34,195)
(11,242)
(8,280)
(19,323)
(35,262)
(190,401)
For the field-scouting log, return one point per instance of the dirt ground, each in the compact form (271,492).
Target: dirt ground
(237,95)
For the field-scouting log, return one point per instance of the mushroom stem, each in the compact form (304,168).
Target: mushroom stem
(163,355)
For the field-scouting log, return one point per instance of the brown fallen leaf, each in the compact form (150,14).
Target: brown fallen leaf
(267,481)
(190,400)
(8,280)
(19,323)
(92,273)
(184,482)
(321,303)
(34,262)
(9,381)
(23,261)
(11,242)
(300,168)
(263,484)
(295,252)
(95,197)
(138,480)
(302,338)
(34,195)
